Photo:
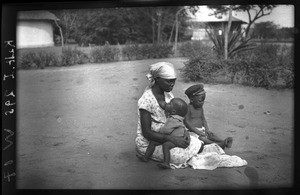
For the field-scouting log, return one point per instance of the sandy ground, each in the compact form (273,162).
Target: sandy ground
(76,128)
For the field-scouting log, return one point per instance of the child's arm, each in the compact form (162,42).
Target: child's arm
(205,124)
(189,125)
(169,126)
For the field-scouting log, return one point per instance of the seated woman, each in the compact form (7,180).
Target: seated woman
(151,117)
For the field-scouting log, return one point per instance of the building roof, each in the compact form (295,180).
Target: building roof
(218,19)
(36,15)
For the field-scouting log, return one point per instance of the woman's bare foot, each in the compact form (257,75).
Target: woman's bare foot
(164,166)
(228,142)
(142,158)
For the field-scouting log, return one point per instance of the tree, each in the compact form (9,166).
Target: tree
(121,24)
(264,30)
(227,31)
(67,22)
(164,20)
(180,10)
(285,33)
(254,13)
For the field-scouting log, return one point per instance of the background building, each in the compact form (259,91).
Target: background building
(218,24)
(35,29)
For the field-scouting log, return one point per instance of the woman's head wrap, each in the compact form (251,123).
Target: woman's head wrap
(163,70)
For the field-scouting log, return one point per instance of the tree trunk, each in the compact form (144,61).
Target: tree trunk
(61,34)
(176,32)
(170,38)
(159,15)
(153,29)
(227,31)
(176,36)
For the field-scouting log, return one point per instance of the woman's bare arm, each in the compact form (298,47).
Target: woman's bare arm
(145,118)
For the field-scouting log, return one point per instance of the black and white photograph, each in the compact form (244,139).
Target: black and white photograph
(142,95)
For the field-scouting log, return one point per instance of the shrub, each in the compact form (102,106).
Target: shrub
(286,60)
(154,51)
(265,65)
(147,51)
(201,69)
(132,52)
(262,67)
(71,56)
(288,77)
(106,53)
(35,60)
(236,42)
(194,49)
(259,72)
(161,50)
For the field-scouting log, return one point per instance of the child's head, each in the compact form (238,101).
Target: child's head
(196,94)
(177,106)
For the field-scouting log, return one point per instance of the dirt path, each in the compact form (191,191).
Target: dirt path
(76,128)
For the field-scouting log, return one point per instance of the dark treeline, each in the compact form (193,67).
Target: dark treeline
(124,25)
(269,30)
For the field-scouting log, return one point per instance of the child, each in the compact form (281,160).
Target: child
(195,120)
(175,112)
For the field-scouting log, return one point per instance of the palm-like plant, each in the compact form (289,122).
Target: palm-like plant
(236,42)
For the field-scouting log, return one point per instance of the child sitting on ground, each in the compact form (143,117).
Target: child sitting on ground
(175,111)
(195,120)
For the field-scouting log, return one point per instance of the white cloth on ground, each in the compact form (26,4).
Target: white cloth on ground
(212,157)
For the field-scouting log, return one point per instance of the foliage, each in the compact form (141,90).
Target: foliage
(106,53)
(264,30)
(132,52)
(262,67)
(147,51)
(285,33)
(253,11)
(266,65)
(39,59)
(72,55)
(157,51)
(223,42)
(194,49)
(236,42)
(68,23)
(286,57)
(121,24)
(258,71)
(201,69)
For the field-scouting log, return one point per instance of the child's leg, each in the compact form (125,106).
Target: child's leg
(214,138)
(206,140)
(225,143)
(151,148)
(222,143)
(149,151)
(167,146)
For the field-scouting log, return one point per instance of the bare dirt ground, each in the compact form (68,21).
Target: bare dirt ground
(76,128)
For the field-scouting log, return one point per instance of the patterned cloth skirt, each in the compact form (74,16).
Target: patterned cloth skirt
(178,155)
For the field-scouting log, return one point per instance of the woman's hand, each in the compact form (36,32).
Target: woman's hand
(181,142)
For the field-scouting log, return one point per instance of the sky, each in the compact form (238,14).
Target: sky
(283,15)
